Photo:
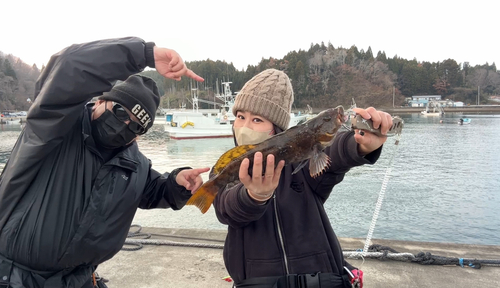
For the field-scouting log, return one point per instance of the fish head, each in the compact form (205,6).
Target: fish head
(326,124)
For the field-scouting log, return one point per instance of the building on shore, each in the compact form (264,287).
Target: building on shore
(426,100)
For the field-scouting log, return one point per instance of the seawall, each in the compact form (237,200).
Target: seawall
(186,266)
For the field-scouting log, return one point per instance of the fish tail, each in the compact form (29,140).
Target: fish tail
(204,196)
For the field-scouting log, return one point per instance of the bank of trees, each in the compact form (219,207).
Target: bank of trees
(17,83)
(322,76)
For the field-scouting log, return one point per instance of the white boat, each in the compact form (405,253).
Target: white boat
(433,108)
(427,113)
(10,121)
(299,118)
(296,119)
(198,124)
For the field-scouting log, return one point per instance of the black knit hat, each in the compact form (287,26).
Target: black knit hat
(139,95)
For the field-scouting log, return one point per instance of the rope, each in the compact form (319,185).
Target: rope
(138,244)
(424,258)
(374,251)
(172,243)
(381,197)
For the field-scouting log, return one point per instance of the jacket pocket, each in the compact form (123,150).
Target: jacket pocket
(263,268)
(107,197)
(310,263)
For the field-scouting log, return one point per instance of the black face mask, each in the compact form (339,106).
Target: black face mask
(110,132)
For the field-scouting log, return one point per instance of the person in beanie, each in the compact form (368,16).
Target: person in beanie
(75,178)
(278,231)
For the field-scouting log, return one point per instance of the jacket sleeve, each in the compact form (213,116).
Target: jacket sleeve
(72,77)
(344,156)
(162,191)
(75,75)
(235,208)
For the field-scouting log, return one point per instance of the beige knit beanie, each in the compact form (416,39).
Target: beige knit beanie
(268,94)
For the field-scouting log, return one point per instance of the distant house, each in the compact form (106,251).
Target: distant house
(495,98)
(422,100)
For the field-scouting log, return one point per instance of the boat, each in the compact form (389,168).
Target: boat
(200,124)
(296,119)
(10,121)
(435,110)
(212,123)
(464,121)
(195,125)
(299,117)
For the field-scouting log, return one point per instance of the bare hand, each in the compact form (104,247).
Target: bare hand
(191,178)
(370,142)
(261,188)
(170,64)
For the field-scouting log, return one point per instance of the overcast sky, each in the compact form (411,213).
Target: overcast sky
(243,32)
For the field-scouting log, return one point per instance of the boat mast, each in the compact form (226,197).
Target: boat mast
(195,97)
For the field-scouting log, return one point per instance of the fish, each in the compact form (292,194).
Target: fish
(300,143)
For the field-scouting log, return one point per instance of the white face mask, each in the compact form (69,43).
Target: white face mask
(247,136)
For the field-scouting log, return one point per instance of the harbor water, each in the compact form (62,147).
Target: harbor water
(444,184)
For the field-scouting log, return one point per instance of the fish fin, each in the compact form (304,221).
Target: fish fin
(301,165)
(318,163)
(230,155)
(204,196)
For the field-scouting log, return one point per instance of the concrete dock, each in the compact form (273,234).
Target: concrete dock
(188,266)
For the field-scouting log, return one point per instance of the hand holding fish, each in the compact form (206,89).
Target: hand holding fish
(170,65)
(260,187)
(191,178)
(369,142)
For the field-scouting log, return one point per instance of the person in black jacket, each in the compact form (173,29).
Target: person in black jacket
(76,177)
(279,234)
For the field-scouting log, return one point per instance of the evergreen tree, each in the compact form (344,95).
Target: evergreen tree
(8,70)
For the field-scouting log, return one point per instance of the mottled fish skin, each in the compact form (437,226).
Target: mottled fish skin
(294,145)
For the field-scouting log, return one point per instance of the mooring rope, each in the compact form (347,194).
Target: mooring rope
(374,251)
(138,244)
(380,197)
(172,243)
(424,258)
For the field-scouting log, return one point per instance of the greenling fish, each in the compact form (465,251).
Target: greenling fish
(297,144)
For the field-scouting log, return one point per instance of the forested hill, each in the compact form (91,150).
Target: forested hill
(322,76)
(17,83)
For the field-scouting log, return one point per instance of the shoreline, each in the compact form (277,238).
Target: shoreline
(494,109)
(187,266)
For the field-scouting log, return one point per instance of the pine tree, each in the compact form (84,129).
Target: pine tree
(8,70)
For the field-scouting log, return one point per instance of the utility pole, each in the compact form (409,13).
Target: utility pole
(393,92)
(477,95)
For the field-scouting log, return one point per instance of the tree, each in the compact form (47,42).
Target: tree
(441,86)
(8,70)
(369,54)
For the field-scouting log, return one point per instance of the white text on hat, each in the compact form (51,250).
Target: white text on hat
(141,114)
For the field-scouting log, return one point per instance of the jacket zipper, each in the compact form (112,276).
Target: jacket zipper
(279,234)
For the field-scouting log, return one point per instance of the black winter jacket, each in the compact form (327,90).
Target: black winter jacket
(291,233)
(61,205)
